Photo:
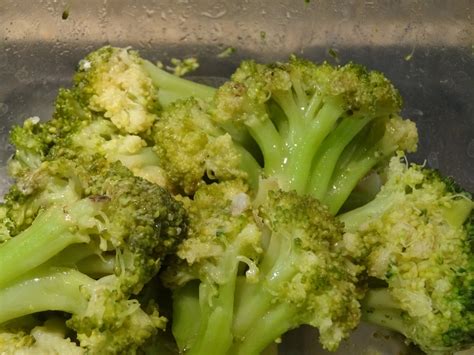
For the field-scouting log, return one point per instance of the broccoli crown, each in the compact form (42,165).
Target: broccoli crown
(415,236)
(303,270)
(112,82)
(105,203)
(41,339)
(273,267)
(192,147)
(359,89)
(221,227)
(112,323)
(79,130)
(307,121)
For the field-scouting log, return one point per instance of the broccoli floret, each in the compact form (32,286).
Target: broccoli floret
(128,90)
(94,202)
(69,221)
(416,236)
(31,338)
(310,123)
(192,148)
(105,320)
(113,104)
(245,275)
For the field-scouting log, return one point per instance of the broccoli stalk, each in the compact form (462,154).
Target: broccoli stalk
(414,236)
(172,88)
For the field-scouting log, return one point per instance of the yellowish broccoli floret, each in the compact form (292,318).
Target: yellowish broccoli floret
(415,236)
(47,339)
(119,88)
(193,148)
(246,274)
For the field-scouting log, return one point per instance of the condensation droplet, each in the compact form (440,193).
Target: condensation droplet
(470,149)
(433,161)
(3,108)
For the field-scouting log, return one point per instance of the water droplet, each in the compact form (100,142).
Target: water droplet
(470,149)
(3,108)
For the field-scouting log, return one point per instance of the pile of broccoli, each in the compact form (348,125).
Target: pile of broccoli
(155,215)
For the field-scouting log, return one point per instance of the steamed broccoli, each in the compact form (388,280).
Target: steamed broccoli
(70,219)
(29,336)
(192,148)
(128,90)
(245,276)
(105,319)
(109,110)
(319,128)
(262,168)
(315,129)
(416,236)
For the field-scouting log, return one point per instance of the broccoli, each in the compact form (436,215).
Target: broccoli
(416,238)
(129,90)
(274,223)
(319,128)
(69,222)
(315,129)
(109,110)
(244,275)
(192,148)
(105,319)
(28,336)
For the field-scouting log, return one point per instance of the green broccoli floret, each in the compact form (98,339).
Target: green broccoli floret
(109,111)
(245,275)
(105,320)
(319,128)
(72,220)
(192,148)
(416,236)
(29,337)
(89,201)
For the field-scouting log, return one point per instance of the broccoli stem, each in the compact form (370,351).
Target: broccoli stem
(268,328)
(271,145)
(186,315)
(307,129)
(44,289)
(250,166)
(379,298)
(277,267)
(50,232)
(379,308)
(326,159)
(372,210)
(215,333)
(97,266)
(346,179)
(172,87)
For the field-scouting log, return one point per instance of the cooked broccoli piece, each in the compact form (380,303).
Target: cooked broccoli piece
(113,104)
(416,236)
(26,336)
(245,276)
(69,221)
(105,319)
(75,129)
(319,128)
(129,90)
(94,202)
(192,148)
